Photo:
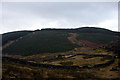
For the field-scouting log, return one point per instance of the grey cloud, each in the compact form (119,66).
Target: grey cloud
(16,16)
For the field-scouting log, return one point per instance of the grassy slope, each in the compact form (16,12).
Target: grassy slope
(97,37)
(92,34)
(37,73)
(51,41)
(41,42)
(6,37)
(27,71)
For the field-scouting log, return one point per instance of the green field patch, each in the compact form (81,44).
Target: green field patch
(80,61)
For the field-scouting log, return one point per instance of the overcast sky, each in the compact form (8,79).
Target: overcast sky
(36,15)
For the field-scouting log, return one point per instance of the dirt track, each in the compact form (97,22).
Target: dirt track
(73,40)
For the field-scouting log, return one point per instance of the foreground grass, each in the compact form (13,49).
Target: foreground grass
(17,70)
(23,71)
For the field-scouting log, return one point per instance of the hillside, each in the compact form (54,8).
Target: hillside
(55,40)
(82,53)
(85,30)
(115,47)
(6,37)
(99,38)
(41,42)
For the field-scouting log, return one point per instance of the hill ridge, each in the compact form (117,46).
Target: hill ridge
(55,40)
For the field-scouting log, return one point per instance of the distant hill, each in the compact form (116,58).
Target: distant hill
(93,34)
(54,40)
(84,30)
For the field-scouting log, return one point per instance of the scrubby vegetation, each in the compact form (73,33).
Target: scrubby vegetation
(85,30)
(6,37)
(54,40)
(99,38)
(115,47)
(41,42)
(18,71)
(59,50)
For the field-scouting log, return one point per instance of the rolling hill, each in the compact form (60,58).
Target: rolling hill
(81,53)
(55,40)
(6,37)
